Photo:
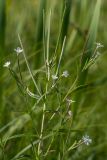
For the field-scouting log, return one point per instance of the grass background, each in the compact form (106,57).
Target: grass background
(16,123)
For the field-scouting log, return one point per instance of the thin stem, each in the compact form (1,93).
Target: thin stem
(19,69)
(71,89)
(42,127)
(30,72)
(62,51)
(60,31)
(47,76)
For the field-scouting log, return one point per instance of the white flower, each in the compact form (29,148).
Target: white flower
(54,77)
(99,45)
(7,64)
(65,74)
(18,50)
(87,140)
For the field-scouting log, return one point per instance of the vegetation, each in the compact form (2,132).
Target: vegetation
(53,80)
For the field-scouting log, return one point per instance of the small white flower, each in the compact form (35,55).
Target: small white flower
(7,64)
(87,140)
(54,77)
(65,74)
(18,50)
(99,45)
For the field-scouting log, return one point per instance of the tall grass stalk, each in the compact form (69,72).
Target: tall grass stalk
(87,53)
(39,31)
(46,38)
(60,58)
(63,29)
(67,5)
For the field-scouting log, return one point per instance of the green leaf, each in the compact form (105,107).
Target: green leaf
(88,49)
(39,31)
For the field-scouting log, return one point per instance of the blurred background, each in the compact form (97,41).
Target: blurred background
(25,17)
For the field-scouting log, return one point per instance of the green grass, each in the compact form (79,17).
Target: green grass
(44,111)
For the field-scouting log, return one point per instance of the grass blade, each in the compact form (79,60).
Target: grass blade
(39,31)
(87,55)
(67,7)
(91,36)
